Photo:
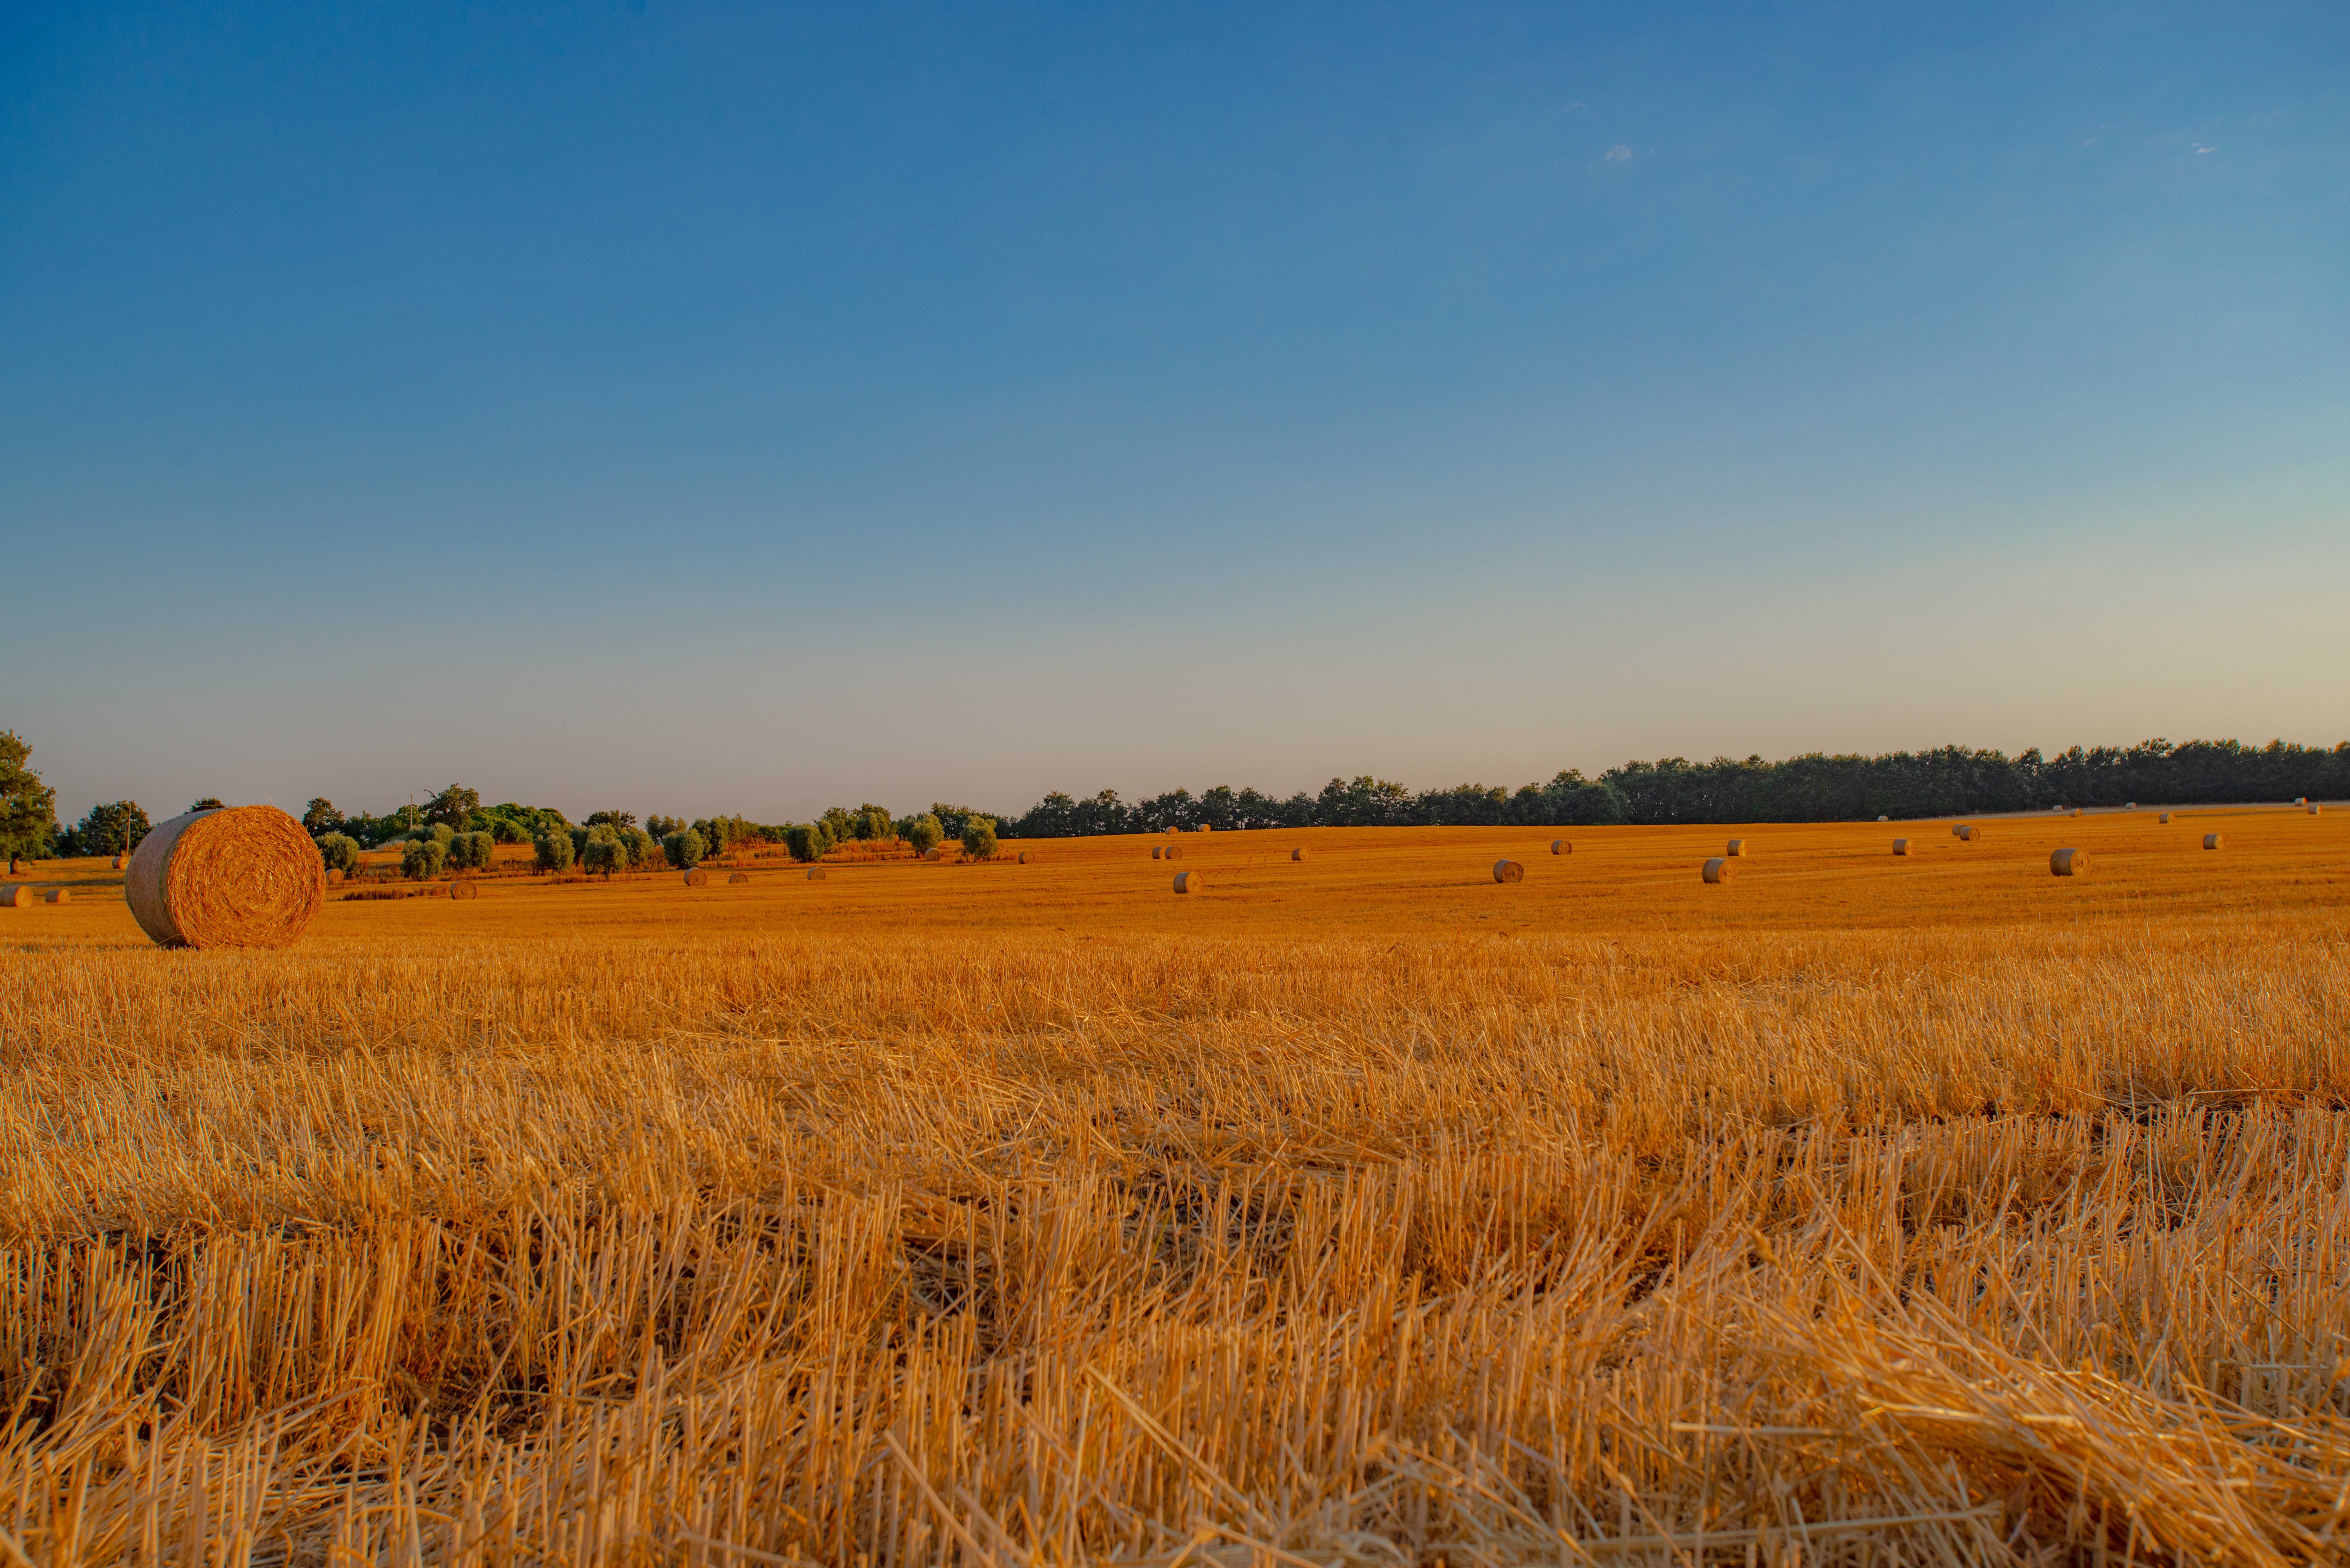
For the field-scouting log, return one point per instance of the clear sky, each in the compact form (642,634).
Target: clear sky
(690,408)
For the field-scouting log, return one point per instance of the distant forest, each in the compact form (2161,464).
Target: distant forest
(1813,788)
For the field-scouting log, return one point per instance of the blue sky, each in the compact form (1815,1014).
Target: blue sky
(698,408)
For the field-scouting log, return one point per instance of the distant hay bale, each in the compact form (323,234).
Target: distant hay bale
(1508,871)
(1298,853)
(1173,852)
(2316,810)
(1737,850)
(1023,857)
(464,887)
(119,862)
(1882,817)
(1958,830)
(2301,800)
(2077,811)
(697,877)
(1189,882)
(1158,851)
(234,877)
(933,854)
(1205,828)
(2211,841)
(1720,868)
(334,876)
(1561,846)
(1969,832)
(1901,846)
(2069,863)
(2165,819)
(16,897)
(59,895)
(816,874)
(736,880)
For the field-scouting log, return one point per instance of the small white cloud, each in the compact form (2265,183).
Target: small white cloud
(2200,148)
(1620,154)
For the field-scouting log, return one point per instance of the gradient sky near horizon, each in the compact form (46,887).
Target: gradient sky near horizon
(695,408)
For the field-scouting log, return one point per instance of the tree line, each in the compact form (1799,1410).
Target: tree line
(1815,787)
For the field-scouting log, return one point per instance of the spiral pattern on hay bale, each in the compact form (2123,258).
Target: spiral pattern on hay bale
(1720,868)
(1561,846)
(697,877)
(1901,846)
(1508,871)
(464,888)
(2211,841)
(931,854)
(234,877)
(1189,882)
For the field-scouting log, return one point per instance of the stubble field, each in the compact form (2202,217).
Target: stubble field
(1359,1210)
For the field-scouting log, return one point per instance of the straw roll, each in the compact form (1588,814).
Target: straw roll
(2069,863)
(697,877)
(1298,853)
(59,895)
(1190,882)
(16,897)
(2211,841)
(1901,846)
(464,888)
(1173,851)
(2316,810)
(1561,846)
(1508,871)
(234,877)
(119,862)
(737,878)
(1157,850)
(1737,850)
(816,874)
(1719,869)
(2164,819)
(1023,857)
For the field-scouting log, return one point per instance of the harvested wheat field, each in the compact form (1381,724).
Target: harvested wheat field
(1357,1210)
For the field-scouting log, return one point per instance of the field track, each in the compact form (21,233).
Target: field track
(1361,1211)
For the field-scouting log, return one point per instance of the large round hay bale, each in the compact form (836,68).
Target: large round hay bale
(16,897)
(1508,871)
(1189,882)
(1158,851)
(2211,841)
(738,878)
(234,877)
(1737,850)
(59,895)
(1561,846)
(816,874)
(465,887)
(1298,853)
(2164,819)
(1901,846)
(697,877)
(1720,868)
(2069,863)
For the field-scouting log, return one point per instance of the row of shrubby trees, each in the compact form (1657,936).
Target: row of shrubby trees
(461,831)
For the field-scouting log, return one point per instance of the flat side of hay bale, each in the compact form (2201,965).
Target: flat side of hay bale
(1189,882)
(737,878)
(816,874)
(334,876)
(464,887)
(1901,846)
(1561,846)
(1737,850)
(1720,868)
(1508,871)
(697,877)
(234,877)
(2211,841)
(2069,863)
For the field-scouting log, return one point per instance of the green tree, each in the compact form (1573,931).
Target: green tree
(604,854)
(871,823)
(638,845)
(470,851)
(340,851)
(453,805)
(114,828)
(28,808)
(554,850)
(684,848)
(922,832)
(806,841)
(611,819)
(661,826)
(979,836)
(210,802)
(320,816)
(423,860)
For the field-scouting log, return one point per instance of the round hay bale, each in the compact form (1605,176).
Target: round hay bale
(2316,810)
(117,863)
(1561,846)
(1901,846)
(2211,841)
(1158,851)
(1508,871)
(1205,828)
(1882,817)
(1023,857)
(1737,850)
(16,897)
(2076,811)
(59,895)
(2301,800)
(334,876)
(816,874)
(2164,819)
(1189,882)
(1969,832)
(234,877)
(738,878)
(1958,830)
(1298,853)
(2069,863)
(697,877)
(1720,868)
(465,887)
(1173,852)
